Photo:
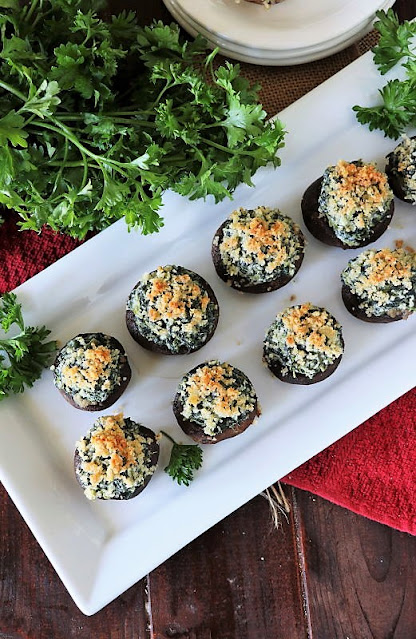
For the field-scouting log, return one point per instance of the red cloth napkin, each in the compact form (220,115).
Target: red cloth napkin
(371,470)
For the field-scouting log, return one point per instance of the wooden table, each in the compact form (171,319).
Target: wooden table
(326,574)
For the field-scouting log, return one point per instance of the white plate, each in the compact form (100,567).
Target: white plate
(100,549)
(293,24)
(271,57)
(264,56)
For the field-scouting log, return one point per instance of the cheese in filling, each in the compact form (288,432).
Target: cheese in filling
(115,458)
(304,340)
(403,163)
(354,198)
(384,280)
(216,396)
(173,308)
(88,368)
(259,245)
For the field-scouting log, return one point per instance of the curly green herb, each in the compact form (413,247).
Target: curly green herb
(398,97)
(24,356)
(98,119)
(185,459)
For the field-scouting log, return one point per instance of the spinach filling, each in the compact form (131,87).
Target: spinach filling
(384,281)
(354,204)
(181,316)
(217,397)
(98,474)
(303,340)
(88,368)
(402,163)
(260,245)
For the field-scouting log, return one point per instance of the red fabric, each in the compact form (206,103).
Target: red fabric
(371,470)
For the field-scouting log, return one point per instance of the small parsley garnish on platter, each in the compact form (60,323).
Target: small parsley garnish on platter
(23,356)
(398,97)
(185,459)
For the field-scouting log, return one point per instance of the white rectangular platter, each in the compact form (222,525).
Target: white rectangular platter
(100,549)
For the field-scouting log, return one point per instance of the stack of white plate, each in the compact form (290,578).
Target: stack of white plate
(291,32)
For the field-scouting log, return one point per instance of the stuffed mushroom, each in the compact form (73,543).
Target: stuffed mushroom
(380,285)
(116,459)
(303,345)
(401,170)
(172,311)
(215,401)
(350,206)
(91,371)
(257,251)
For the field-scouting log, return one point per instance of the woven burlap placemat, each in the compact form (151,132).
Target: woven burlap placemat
(280,86)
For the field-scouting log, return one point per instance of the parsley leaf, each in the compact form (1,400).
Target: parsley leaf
(397,111)
(395,40)
(11,130)
(185,459)
(398,97)
(98,118)
(24,356)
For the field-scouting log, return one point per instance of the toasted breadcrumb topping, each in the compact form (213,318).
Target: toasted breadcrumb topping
(114,458)
(384,280)
(217,396)
(403,163)
(260,245)
(304,339)
(172,307)
(88,368)
(354,198)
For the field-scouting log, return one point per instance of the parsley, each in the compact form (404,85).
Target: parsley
(398,97)
(24,356)
(185,459)
(98,119)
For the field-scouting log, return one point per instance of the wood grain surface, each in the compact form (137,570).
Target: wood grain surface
(326,573)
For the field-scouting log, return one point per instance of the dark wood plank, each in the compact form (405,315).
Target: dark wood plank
(240,580)
(360,575)
(34,603)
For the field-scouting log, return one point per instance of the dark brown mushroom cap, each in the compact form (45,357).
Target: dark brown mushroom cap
(352,302)
(195,431)
(277,369)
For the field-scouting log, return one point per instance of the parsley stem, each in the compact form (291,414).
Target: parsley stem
(85,173)
(59,174)
(220,147)
(67,132)
(72,165)
(11,89)
(31,10)
(168,436)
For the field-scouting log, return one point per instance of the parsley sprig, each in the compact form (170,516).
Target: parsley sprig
(398,97)
(24,356)
(98,119)
(185,459)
